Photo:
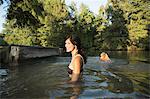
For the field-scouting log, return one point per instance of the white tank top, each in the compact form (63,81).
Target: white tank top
(71,65)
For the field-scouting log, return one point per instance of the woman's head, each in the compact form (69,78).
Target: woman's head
(73,42)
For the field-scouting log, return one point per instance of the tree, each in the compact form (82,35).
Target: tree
(86,29)
(114,34)
(100,24)
(42,19)
(136,14)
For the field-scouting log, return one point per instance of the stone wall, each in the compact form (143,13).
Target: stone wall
(4,54)
(26,52)
(16,53)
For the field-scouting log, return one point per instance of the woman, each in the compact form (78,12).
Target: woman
(75,68)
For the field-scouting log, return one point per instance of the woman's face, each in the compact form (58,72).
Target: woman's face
(69,46)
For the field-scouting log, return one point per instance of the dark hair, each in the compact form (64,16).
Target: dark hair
(75,40)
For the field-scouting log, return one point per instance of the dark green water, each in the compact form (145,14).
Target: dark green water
(127,77)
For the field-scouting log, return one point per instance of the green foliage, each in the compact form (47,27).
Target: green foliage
(39,19)
(86,28)
(126,25)
(136,14)
(21,36)
(2,41)
(100,24)
(119,25)
(42,35)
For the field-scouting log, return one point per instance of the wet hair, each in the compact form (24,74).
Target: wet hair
(105,56)
(75,40)
(103,53)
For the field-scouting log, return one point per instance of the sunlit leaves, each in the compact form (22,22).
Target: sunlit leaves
(118,25)
(21,36)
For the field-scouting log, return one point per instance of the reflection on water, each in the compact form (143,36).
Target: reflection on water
(127,77)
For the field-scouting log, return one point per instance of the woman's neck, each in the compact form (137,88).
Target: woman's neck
(74,52)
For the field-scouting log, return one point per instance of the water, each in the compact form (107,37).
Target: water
(127,77)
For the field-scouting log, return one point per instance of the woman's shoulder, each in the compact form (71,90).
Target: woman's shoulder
(79,56)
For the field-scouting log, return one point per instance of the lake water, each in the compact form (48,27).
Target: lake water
(127,77)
